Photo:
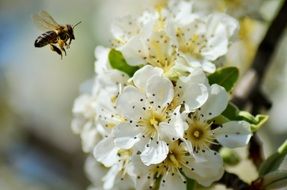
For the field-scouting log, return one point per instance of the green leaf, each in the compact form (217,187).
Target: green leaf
(118,62)
(273,162)
(260,121)
(275,179)
(190,184)
(244,115)
(225,77)
(229,156)
(231,112)
(157,183)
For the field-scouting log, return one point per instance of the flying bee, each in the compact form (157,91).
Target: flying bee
(56,34)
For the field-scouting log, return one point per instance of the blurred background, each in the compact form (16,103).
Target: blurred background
(37,148)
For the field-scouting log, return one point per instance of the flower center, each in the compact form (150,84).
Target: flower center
(174,160)
(125,157)
(151,123)
(172,165)
(199,134)
(161,53)
(193,45)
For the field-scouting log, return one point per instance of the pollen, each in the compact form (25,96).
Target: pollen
(174,162)
(199,134)
(161,53)
(152,121)
(192,45)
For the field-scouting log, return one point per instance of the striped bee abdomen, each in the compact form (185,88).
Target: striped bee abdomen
(46,38)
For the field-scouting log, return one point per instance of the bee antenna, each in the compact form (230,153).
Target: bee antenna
(77,24)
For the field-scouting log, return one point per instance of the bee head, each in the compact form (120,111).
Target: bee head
(70,31)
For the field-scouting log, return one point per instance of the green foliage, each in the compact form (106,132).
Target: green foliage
(275,179)
(118,62)
(229,156)
(190,184)
(233,113)
(273,162)
(225,77)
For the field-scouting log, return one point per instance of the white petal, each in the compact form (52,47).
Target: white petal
(84,105)
(124,27)
(106,152)
(155,153)
(172,183)
(233,134)
(109,178)
(89,137)
(208,170)
(77,124)
(160,90)
(217,44)
(208,66)
(131,53)
(175,128)
(195,96)
(130,103)
(91,165)
(102,62)
(142,75)
(216,102)
(197,76)
(126,135)
(231,25)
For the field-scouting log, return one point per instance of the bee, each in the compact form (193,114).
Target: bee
(56,34)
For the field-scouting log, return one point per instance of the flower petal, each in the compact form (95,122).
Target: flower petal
(142,75)
(89,137)
(216,102)
(208,66)
(131,102)
(102,63)
(208,170)
(217,44)
(172,182)
(175,128)
(195,96)
(106,152)
(154,153)
(110,177)
(233,134)
(159,90)
(91,165)
(126,135)
(197,76)
(131,53)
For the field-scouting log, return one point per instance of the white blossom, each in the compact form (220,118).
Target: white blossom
(151,108)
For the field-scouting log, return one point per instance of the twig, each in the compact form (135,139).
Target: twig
(231,180)
(249,90)
(248,93)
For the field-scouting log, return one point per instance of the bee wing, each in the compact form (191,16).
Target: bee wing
(45,21)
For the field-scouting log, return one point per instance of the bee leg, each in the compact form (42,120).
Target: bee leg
(70,41)
(67,45)
(56,49)
(61,45)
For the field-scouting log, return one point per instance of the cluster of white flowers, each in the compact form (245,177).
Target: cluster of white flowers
(157,128)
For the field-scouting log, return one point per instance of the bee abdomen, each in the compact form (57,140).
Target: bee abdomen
(46,38)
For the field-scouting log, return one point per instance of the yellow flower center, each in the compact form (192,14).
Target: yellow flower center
(199,134)
(193,45)
(151,123)
(160,53)
(174,160)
